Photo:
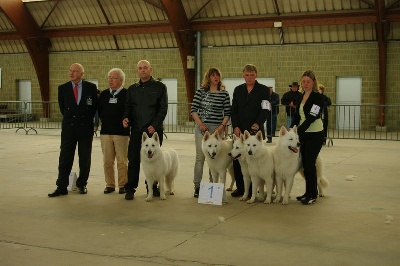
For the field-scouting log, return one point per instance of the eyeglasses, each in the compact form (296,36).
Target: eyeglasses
(113,78)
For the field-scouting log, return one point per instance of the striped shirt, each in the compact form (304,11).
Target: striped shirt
(211,107)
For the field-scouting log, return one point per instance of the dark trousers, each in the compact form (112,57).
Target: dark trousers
(66,160)
(238,175)
(271,126)
(135,143)
(311,144)
(237,171)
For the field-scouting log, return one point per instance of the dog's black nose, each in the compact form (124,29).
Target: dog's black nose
(298,144)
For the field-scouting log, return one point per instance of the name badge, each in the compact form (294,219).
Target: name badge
(89,101)
(113,100)
(315,110)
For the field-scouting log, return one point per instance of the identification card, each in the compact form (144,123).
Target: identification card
(89,101)
(113,100)
(265,104)
(211,193)
(315,110)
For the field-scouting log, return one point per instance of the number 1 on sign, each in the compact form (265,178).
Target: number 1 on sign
(211,193)
(211,189)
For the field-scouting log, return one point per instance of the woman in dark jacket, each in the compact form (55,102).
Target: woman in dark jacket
(310,129)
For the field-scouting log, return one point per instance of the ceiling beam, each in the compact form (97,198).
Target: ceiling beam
(185,39)
(51,12)
(217,24)
(287,21)
(37,46)
(200,9)
(10,35)
(148,28)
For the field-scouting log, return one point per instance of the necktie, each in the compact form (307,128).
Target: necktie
(76,92)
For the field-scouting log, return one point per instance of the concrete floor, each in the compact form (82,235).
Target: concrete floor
(357,223)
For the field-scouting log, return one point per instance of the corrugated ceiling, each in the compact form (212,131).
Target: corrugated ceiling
(57,17)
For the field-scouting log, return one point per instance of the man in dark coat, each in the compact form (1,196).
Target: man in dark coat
(291,99)
(77,100)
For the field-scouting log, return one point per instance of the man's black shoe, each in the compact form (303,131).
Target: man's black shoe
(109,190)
(82,190)
(196,192)
(299,198)
(237,193)
(156,191)
(121,190)
(58,192)
(129,195)
(308,200)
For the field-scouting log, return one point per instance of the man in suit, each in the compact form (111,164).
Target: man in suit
(77,100)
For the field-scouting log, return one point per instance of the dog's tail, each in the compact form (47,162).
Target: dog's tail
(323,181)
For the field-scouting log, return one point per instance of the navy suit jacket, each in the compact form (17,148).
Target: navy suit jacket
(78,119)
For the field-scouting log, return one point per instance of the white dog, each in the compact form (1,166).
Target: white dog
(287,162)
(260,165)
(238,152)
(158,165)
(216,151)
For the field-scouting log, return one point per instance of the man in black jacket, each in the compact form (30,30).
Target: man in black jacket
(145,109)
(77,100)
(291,99)
(250,105)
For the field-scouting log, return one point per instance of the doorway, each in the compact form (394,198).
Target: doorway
(348,100)
(25,95)
(172,88)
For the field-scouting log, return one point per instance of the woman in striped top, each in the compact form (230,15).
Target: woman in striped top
(211,110)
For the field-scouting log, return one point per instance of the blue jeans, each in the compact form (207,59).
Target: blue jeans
(288,121)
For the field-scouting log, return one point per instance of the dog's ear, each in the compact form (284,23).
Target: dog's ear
(235,138)
(259,136)
(206,136)
(283,131)
(216,135)
(295,129)
(241,137)
(155,137)
(246,134)
(144,136)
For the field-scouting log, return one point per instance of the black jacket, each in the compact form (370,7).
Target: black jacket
(246,107)
(288,97)
(111,114)
(313,109)
(78,119)
(146,104)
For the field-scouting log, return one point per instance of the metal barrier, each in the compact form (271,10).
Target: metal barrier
(345,121)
